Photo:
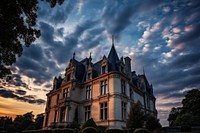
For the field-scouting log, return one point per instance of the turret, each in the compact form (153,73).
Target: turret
(128,66)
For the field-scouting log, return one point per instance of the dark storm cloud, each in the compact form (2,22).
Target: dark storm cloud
(92,38)
(11,94)
(58,14)
(64,52)
(34,52)
(185,61)
(117,14)
(20,92)
(189,36)
(60,32)
(47,32)
(17,81)
(36,69)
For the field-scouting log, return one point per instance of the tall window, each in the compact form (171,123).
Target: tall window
(49,102)
(148,103)
(55,115)
(66,93)
(87,112)
(62,114)
(104,87)
(47,118)
(103,111)
(88,92)
(123,111)
(68,77)
(123,86)
(103,69)
(57,100)
(131,94)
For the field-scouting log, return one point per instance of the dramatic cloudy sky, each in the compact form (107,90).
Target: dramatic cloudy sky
(161,36)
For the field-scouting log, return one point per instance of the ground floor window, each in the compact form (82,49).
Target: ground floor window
(62,114)
(47,118)
(103,111)
(87,112)
(123,105)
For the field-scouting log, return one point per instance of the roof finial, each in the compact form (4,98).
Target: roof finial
(112,39)
(90,56)
(143,71)
(74,55)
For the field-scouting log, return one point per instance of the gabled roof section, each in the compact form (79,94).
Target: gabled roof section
(113,58)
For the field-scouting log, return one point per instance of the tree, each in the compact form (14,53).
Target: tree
(189,114)
(173,115)
(152,123)
(23,122)
(39,121)
(191,102)
(17,29)
(135,116)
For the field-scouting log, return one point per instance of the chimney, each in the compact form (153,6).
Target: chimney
(128,66)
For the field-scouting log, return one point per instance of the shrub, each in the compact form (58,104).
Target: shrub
(130,130)
(32,131)
(89,123)
(89,130)
(114,131)
(3,131)
(101,129)
(152,123)
(64,130)
(141,130)
(46,131)
(186,128)
(135,116)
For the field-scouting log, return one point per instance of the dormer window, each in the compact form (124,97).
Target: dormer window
(103,69)
(89,75)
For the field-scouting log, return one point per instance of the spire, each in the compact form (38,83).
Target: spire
(74,55)
(113,39)
(143,71)
(90,58)
(112,56)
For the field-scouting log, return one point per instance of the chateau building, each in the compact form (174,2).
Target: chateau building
(103,90)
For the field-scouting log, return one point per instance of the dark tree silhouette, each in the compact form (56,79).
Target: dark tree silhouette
(17,29)
(152,123)
(189,113)
(135,117)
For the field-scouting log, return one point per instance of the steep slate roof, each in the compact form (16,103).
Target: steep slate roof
(113,59)
(80,70)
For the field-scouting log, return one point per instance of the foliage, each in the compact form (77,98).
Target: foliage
(114,131)
(89,123)
(39,121)
(135,117)
(5,121)
(152,123)
(89,130)
(189,114)
(17,29)
(173,115)
(186,128)
(22,122)
(191,102)
(141,130)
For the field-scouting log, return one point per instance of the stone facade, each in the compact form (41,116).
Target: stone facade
(103,91)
